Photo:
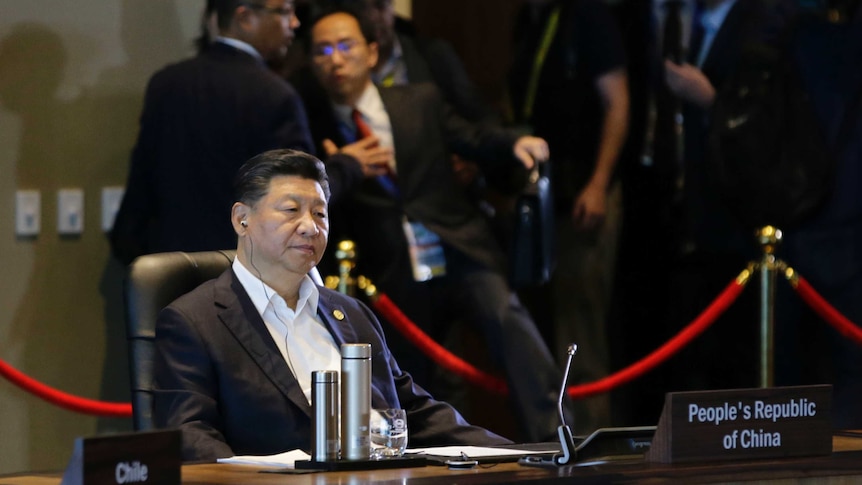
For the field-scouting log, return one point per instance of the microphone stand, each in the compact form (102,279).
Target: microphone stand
(567,441)
(622,443)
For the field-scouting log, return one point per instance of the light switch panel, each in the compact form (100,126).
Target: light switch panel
(70,211)
(28,212)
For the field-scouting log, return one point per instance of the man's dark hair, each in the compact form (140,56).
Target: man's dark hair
(354,8)
(253,178)
(225,10)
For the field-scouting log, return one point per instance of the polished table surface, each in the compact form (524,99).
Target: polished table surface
(844,465)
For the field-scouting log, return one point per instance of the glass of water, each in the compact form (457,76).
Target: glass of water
(388,433)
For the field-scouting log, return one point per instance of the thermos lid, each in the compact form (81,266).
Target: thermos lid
(324,376)
(355,351)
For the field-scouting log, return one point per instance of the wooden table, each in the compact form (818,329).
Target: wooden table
(843,466)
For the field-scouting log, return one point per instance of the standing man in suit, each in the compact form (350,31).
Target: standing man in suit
(202,118)
(568,84)
(234,357)
(418,236)
(713,246)
(680,244)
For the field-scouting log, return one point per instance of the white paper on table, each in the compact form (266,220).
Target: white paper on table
(471,451)
(283,460)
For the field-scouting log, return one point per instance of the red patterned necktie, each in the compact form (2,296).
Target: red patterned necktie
(363,131)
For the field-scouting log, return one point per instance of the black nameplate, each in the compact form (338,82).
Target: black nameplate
(151,457)
(744,424)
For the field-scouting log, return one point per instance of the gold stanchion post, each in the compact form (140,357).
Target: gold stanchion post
(768,237)
(346,256)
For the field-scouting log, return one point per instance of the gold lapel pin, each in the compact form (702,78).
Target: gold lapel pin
(338,314)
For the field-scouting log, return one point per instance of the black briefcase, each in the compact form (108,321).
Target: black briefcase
(532,249)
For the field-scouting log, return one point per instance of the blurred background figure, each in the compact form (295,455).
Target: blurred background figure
(201,119)
(681,244)
(568,84)
(827,248)
(420,239)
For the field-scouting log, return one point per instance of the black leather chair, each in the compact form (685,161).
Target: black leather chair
(153,282)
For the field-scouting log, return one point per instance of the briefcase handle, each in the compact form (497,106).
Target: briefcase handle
(540,169)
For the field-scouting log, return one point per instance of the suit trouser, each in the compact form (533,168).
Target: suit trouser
(475,294)
(581,289)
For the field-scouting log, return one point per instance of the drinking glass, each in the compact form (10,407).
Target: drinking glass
(388,433)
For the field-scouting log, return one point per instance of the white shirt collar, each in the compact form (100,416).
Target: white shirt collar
(368,102)
(243,46)
(262,294)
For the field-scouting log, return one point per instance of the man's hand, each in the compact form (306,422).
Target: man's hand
(590,207)
(374,159)
(531,150)
(689,83)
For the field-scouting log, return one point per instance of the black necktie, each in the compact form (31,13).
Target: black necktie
(672,35)
(696,42)
(668,127)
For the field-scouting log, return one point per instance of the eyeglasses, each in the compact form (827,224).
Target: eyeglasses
(325,51)
(282,11)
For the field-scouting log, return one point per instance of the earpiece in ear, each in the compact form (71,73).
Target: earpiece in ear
(243,223)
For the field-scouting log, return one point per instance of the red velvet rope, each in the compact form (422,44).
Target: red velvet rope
(826,311)
(435,351)
(62,399)
(672,346)
(455,364)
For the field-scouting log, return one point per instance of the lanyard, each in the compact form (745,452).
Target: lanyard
(539,61)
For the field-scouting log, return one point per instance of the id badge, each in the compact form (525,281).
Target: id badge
(426,251)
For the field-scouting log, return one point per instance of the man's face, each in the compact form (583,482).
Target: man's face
(341,58)
(288,227)
(271,23)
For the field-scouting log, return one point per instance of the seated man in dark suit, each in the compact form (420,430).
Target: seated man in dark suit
(383,205)
(234,357)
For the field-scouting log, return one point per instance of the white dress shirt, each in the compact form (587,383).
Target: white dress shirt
(238,44)
(300,335)
(373,113)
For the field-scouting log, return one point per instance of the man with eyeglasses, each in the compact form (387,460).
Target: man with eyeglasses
(202,118)
(418,236)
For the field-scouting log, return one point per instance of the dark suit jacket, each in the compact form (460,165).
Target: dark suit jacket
(425,130)
(202,118)
(710,223)
(220,378)
(434,60)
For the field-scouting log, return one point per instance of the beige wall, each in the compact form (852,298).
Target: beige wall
(72,74)
(404,8)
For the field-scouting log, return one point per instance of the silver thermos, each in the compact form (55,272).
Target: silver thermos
(324,419)
(355,401)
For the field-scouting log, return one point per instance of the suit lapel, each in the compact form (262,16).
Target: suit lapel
(335,319)
(242,320)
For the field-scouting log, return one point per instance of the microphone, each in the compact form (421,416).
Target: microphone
(567,441)
(603,443)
